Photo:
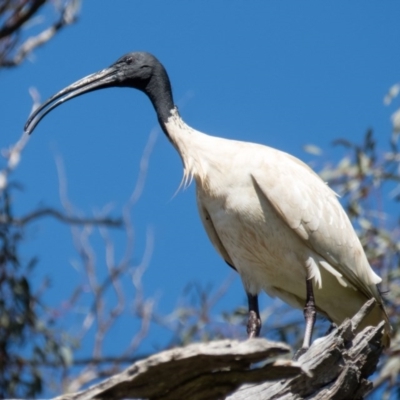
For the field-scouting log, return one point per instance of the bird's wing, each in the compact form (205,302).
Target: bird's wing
(308,206)
(213,235)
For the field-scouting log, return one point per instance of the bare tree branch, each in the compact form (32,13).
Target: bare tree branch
(21,12)
(51,212)
(334,367)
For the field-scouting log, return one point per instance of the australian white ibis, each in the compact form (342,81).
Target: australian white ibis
(268,215)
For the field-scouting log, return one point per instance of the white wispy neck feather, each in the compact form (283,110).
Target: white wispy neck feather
(192,146)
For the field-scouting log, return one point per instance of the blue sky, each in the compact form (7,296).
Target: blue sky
(284,74)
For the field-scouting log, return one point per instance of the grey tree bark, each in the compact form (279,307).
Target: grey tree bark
(336,366)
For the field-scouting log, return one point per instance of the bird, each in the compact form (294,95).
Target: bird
(267,213)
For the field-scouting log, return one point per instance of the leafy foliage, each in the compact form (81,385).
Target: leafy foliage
(28,338)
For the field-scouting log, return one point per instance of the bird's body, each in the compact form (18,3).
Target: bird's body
(272,218)
(267,213)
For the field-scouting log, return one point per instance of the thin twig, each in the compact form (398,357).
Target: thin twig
(51,212)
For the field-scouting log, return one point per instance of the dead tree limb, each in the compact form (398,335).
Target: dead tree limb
(335,367)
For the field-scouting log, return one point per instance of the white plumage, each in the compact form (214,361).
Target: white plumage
(274,219)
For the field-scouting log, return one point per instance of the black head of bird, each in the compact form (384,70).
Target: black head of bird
(139,70)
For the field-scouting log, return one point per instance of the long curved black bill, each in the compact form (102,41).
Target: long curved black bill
(99,80)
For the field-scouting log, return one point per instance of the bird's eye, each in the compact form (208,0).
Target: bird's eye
(129,60)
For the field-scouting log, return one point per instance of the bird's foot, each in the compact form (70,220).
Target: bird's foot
(299,353)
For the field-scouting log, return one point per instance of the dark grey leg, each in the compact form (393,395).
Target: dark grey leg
(310,314)
(254,321)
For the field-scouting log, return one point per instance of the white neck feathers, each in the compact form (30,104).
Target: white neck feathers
(191,146)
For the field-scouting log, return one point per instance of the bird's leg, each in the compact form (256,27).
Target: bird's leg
(254,321)
(310,314)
